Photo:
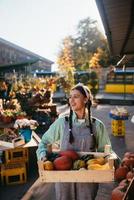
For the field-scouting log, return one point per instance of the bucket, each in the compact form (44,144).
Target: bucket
(26,133)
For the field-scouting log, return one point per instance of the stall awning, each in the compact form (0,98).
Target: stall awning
(118,20)
(20,64)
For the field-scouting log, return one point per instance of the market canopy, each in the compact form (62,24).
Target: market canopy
(20,64)
(118,21)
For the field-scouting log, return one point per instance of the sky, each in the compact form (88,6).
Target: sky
(41,25)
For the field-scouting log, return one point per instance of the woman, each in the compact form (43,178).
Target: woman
(80,132)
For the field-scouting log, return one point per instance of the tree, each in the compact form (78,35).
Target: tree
(86,42)
(77,52)
(94,82)
(98,61)
(66,63)
(89,36)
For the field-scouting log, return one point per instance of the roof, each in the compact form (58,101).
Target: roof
(127,71)
(47,73)
(20,64)
(25,51)
(118,21)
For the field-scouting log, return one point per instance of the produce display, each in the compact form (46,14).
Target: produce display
(124,176)
(71,160)
(8,135)
(25,123)
(11,111)
(119,113)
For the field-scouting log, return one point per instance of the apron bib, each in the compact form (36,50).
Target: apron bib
(82,142)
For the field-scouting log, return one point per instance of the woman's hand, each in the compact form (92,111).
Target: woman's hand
(43,158)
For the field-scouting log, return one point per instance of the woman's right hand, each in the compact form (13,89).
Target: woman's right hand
(43,158)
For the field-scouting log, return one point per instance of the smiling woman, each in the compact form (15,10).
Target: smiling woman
(78,131)
(78,100)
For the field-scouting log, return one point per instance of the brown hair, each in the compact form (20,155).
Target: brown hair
(86,93)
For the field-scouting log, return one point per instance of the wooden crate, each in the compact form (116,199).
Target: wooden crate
(16,155)
(13,174)
(5,145)
(17,142)
(78,175)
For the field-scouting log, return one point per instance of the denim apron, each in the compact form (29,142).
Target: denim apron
(82,142)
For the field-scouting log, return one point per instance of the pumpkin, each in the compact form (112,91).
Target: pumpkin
(127,154)
(117,193)
(120,173)
(63,163)
(70,153)
(48,165)
(128,161)
(130,175)
(124,183)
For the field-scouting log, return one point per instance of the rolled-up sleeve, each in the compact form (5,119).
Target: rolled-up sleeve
(102,136)
(53,134)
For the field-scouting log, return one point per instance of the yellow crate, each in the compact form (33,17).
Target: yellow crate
(16,155)
(12,174)
(118,122)
(118,127)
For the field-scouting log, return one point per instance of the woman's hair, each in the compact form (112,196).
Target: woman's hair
(86,93)
(83,90)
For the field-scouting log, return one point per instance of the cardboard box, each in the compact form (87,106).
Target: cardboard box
(84,176)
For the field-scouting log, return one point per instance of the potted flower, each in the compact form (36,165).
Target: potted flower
(7,116)
(25,127)
(20,115)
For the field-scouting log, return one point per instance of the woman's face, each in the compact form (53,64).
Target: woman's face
(77,100)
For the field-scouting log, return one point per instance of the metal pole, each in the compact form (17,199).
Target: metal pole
(124,69)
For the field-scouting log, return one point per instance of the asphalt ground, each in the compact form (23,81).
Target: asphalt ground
(120,146)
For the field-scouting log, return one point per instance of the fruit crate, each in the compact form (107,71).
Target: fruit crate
(16,155)
(13,174)
(118,127)
(85,175)
(19,141)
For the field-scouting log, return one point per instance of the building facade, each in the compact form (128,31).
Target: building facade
(14,58)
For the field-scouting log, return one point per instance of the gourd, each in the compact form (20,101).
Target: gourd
(117,193)
(70,153)
(63,163)
(120,173)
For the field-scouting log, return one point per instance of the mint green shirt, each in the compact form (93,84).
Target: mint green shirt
(56,130)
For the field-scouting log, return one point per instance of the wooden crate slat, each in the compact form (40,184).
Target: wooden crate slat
(84,176)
